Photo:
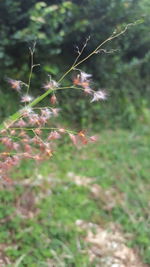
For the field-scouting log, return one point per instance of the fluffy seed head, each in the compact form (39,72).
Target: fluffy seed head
(84,76)
(15,84)
(26,98)
(99,95)
(51,85)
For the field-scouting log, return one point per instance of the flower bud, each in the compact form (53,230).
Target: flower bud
(53,100)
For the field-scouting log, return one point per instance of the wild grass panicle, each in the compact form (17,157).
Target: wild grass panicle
(29,133)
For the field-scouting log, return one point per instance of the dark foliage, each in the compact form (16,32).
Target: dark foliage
(58,27)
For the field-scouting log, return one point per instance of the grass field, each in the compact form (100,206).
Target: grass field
(102,184)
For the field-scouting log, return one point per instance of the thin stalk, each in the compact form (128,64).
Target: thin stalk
(31,70)
(95,51)
(43,128)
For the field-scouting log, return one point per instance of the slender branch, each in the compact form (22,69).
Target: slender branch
(110,38)
(42,128)
(32,66)
(31,69)
(80,52)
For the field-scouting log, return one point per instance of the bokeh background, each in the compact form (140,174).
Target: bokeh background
(40,215)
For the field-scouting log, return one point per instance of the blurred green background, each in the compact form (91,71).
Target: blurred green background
(38,213)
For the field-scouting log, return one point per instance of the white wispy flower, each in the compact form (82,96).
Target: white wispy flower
(26,98)
(15,84)
(52,84)
(99,95)
(45,112)
(84,76)
(26,110)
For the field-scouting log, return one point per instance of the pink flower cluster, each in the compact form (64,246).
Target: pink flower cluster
(32,136)
(28,138)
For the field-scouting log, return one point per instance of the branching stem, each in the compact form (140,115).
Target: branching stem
(6,124)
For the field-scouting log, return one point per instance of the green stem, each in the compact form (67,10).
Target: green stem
(8,122)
